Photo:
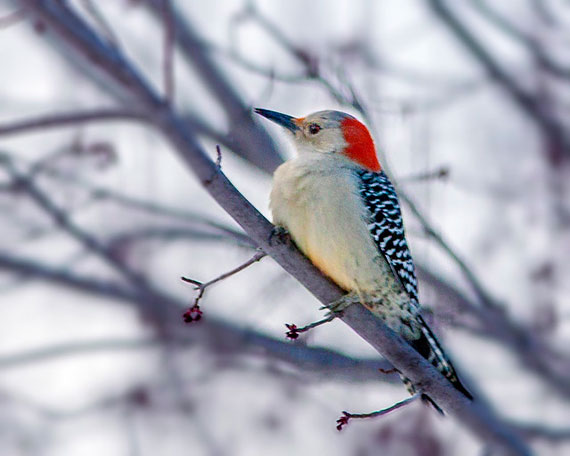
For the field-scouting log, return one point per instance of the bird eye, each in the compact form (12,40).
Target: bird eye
(314,128)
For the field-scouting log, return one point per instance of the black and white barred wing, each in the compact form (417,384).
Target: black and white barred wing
(387,228)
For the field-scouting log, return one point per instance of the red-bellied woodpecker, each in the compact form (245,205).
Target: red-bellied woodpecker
(342,211)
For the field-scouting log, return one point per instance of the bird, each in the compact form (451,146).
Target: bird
(341,210)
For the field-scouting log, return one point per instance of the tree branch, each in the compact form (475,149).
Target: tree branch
(220,335)
(481,420)
(168,50)
(249,139)
(69,119)
(526,40)
(529,103)
(531,352)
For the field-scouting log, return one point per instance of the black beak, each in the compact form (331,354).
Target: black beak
(281,119)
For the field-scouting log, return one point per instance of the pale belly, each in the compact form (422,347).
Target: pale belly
(323,214)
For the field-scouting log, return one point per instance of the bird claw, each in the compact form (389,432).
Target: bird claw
(279,235)
(337,307)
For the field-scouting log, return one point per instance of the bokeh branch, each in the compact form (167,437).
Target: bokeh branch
(228,338)
(489,313)
(530,103)
(69,28)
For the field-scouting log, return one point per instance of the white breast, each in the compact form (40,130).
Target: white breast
(316,198)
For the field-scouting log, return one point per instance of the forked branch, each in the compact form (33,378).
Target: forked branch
(194,313)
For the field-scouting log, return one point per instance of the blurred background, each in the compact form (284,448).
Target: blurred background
(469,104)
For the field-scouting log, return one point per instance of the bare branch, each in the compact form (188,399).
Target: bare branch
(194,313)
(225,337)
(495,323)
(201,286)
(543,432)
(69,119)
(346,416)
(481,420)
(170,233)
(168,50)
(102,23)
(12,18)
(139,283)
(294,331)
(61,218)
(522,38)
(440,173)
(248,138)
(529,103)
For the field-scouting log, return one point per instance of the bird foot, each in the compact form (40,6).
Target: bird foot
(336,308)
(279,235)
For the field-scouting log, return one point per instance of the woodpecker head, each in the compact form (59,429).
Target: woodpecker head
(329,132)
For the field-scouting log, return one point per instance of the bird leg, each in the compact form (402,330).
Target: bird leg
(336,307)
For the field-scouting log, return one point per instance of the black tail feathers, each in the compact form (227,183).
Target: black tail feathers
(429,400)
(428,346)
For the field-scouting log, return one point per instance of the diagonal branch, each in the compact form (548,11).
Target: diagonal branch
(168,50)
(69,119)
(62,219)
(527,40)
(66,26)
(530,350)
(249,139)
(529,103)
(222,336)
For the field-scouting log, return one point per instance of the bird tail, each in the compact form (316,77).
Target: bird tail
(425,398)
(428,346)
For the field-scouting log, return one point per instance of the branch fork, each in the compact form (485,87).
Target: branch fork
(194,313)
(346,416)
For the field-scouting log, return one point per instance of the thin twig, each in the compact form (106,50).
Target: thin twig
(238,339)
(63,220)
(293,331)
(346,416)
(168,50)
(12,18)
(439,173)
(69,119)
(530,103)
(217,167)
(218,157)
(202,286)
(103,24)
(194,313)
